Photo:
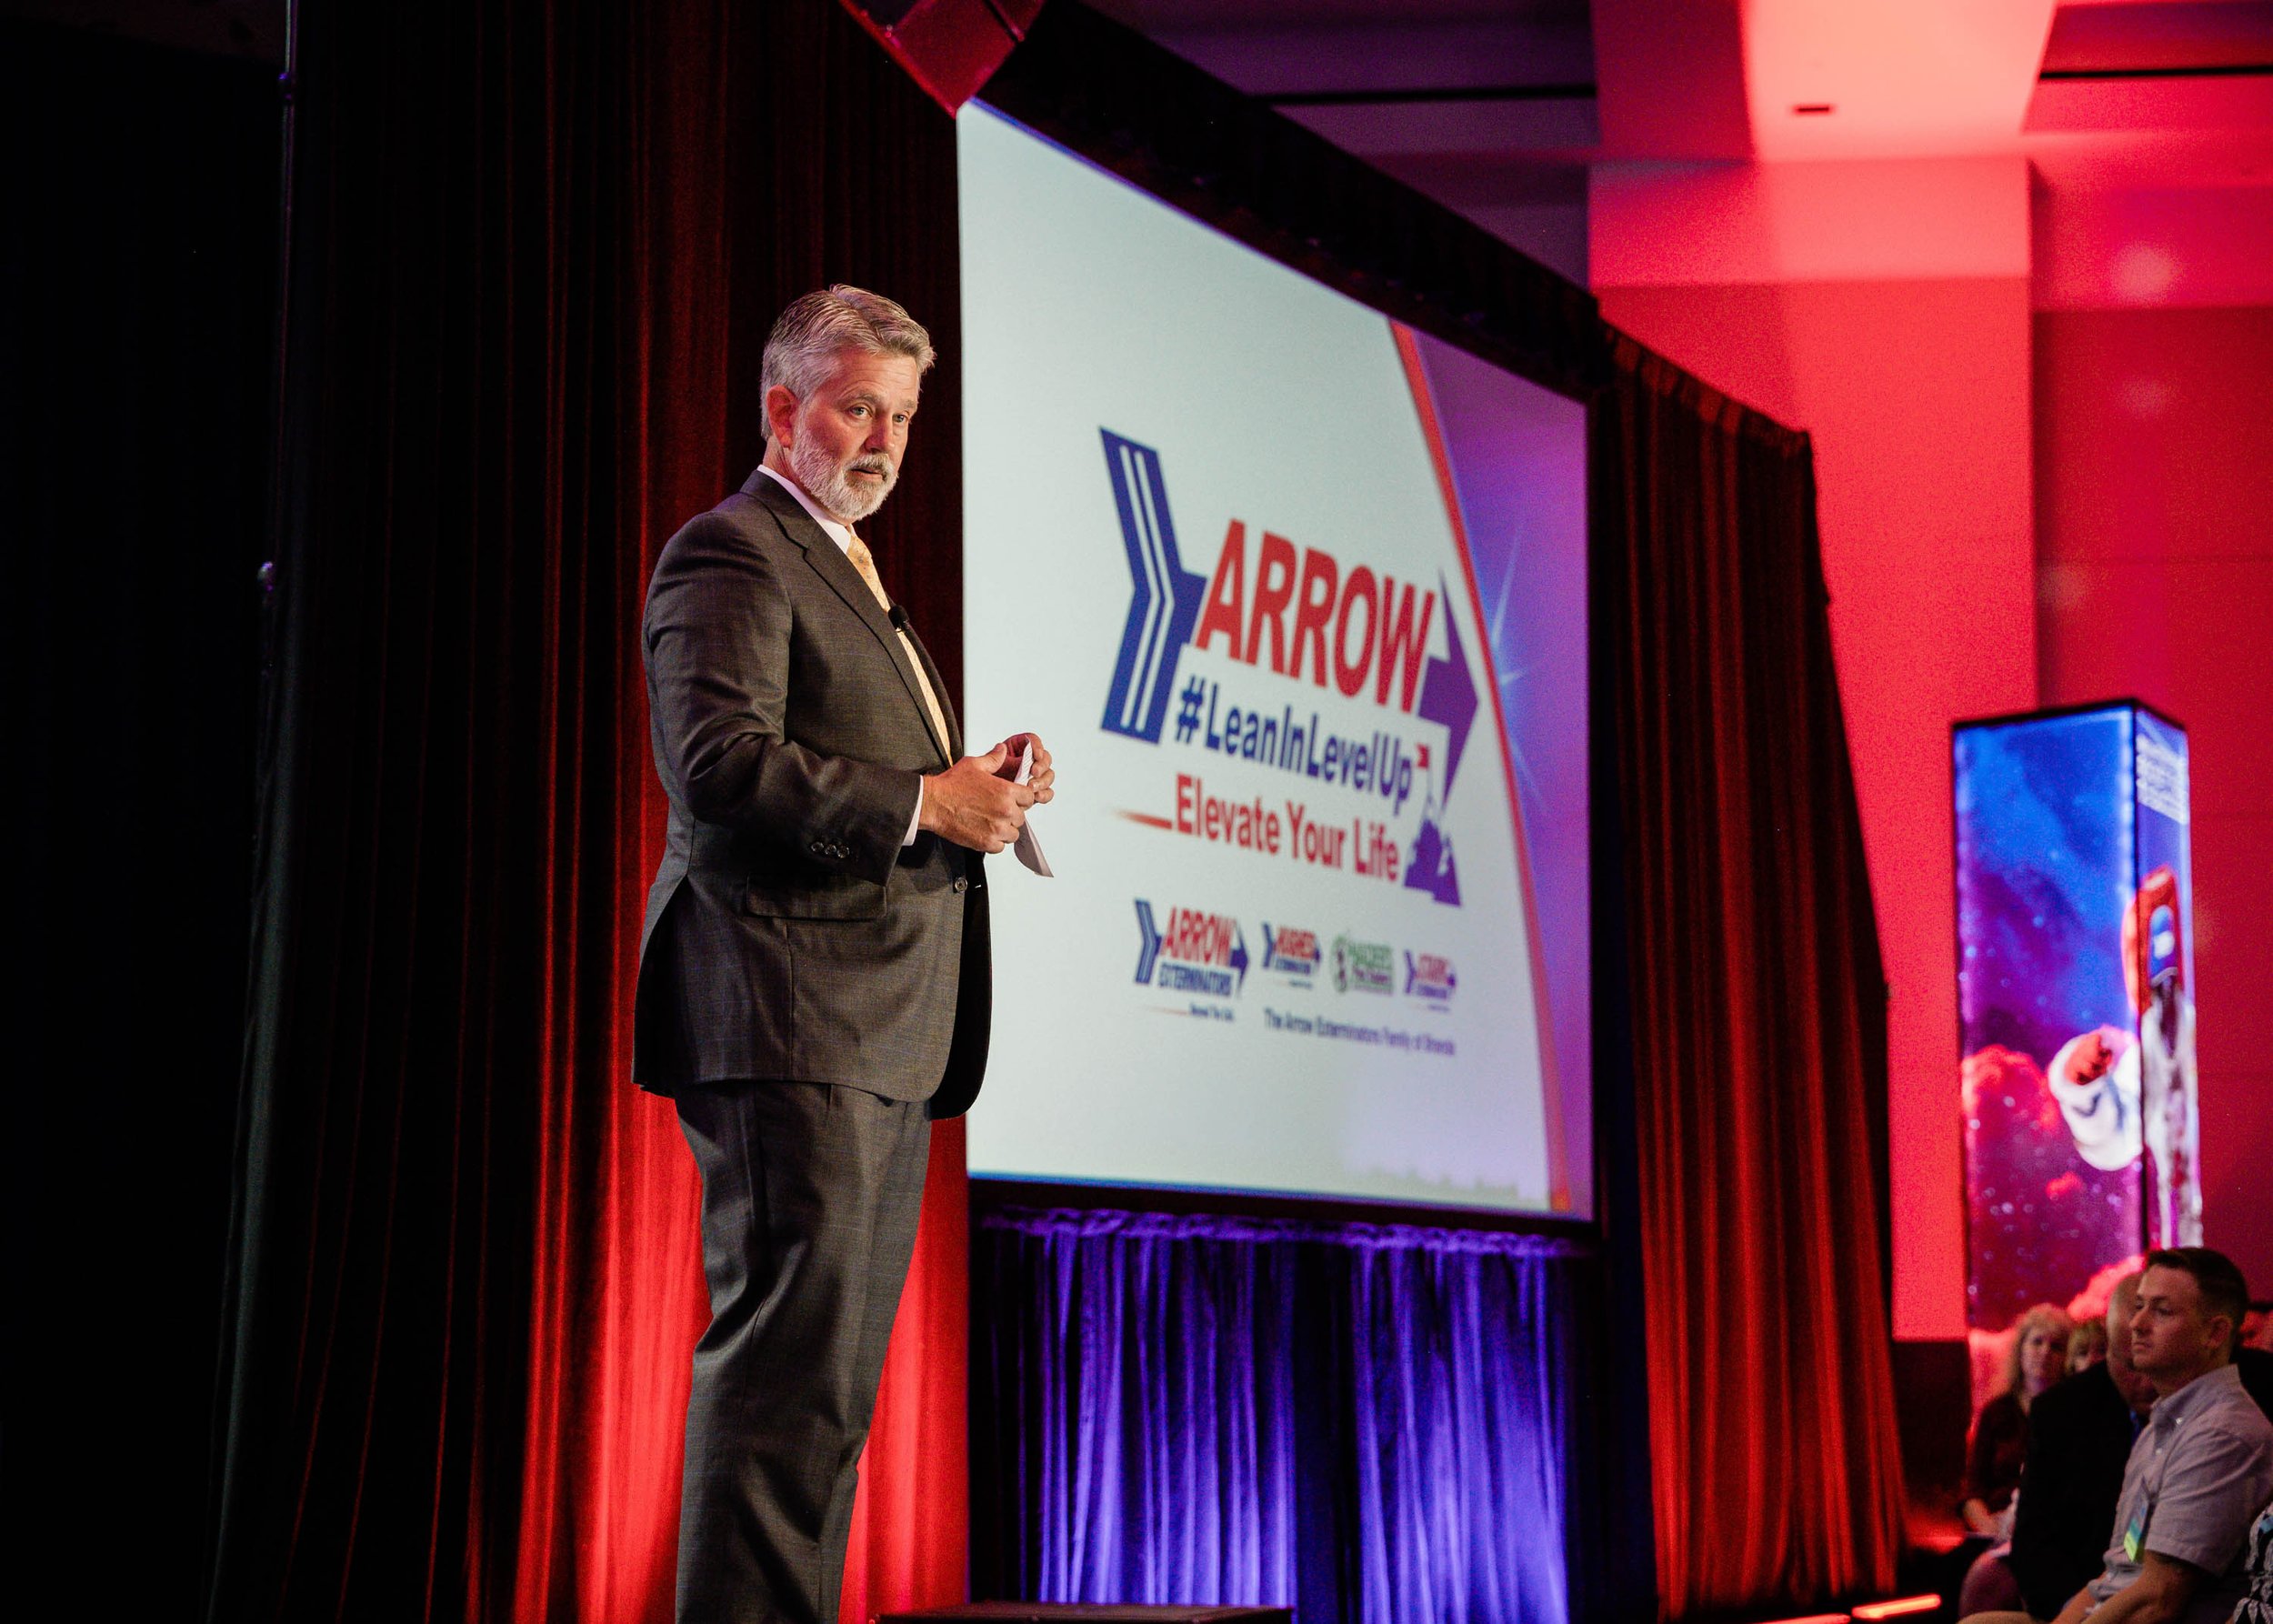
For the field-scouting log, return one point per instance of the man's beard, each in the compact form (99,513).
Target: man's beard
(831,485)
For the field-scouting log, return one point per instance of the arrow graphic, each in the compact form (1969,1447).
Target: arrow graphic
(1239,952)
(1448,693)
(1150,950)
(1164,600)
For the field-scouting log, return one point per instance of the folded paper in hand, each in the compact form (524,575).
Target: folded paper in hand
(1028,849)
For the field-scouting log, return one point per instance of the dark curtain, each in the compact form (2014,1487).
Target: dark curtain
(1757,1004)
(534,251)
(137,259)
(1364,1422)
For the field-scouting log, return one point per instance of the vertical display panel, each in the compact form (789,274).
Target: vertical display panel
(2074,1007)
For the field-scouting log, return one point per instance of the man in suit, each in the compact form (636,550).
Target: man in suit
(813,971)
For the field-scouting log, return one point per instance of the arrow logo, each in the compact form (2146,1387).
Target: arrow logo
(1164,600)
(1148,949)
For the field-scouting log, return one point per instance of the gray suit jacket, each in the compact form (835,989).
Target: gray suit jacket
(789,935)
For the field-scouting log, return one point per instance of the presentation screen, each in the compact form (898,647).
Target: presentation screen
(1297,598)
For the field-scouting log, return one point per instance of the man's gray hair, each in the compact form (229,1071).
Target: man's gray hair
(806,339)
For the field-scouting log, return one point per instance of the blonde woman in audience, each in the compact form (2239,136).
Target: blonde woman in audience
(2000,1432)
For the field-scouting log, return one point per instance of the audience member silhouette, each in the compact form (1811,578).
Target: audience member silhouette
(2079,1436)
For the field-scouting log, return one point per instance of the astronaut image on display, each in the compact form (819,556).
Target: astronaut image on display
(2074,1007)
(2118,1094)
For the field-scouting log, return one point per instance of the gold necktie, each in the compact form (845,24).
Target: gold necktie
(865,562)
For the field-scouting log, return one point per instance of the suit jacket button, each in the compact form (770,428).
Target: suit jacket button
(962,885)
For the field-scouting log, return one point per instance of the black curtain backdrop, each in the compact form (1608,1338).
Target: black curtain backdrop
(535,251)
(137,254)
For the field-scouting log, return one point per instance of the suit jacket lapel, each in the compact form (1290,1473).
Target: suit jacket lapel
(828,561)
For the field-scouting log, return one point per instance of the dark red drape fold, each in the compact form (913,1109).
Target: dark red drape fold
(536,251)
(1756,1006)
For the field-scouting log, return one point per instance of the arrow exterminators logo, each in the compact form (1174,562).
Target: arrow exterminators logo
(1297,617)
(1197,951)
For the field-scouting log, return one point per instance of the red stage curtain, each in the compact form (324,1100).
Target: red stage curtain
(1758,1007)
(536,250)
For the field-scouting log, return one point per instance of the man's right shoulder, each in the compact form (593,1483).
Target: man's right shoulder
(2234,1427)
(2248,1419)
(738,532)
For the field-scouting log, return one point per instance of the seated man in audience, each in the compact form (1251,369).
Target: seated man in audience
(2079,1436)
(2201,1465)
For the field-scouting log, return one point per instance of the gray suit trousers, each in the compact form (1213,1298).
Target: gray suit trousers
(810,1196)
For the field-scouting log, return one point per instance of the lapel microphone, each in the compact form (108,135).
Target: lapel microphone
(899,618)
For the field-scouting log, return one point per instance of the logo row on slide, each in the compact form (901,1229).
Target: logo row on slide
(1194,950)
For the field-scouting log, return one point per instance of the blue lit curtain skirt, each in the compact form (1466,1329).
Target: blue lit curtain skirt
(1366,1422)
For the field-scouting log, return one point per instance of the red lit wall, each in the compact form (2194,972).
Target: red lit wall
(1916,388)
(2043,421)
(2154,448)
